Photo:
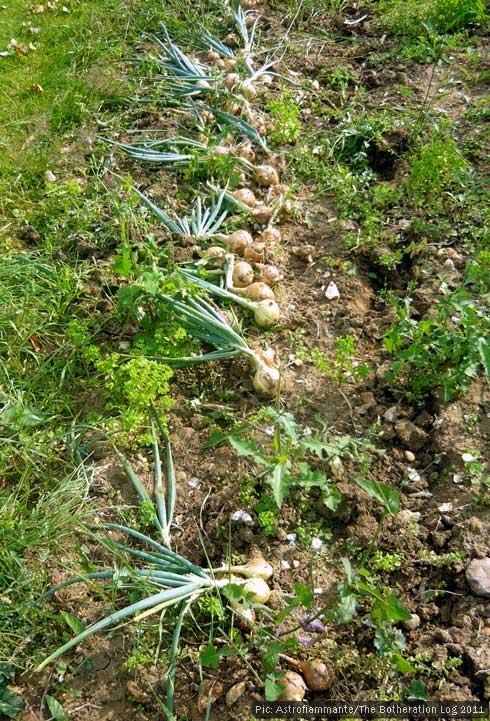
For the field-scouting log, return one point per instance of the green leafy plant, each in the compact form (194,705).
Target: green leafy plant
(442,351)
(292,457)
(285,114)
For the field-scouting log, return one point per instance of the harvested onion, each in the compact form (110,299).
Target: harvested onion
(243,275)
(245,196)
(266,313)
(255,291)
(248,89)
(255,568)
(203,84)
(270,274)
(238,241)
(294,687)
(255,588)
(255,253)
(267,377)
(318,675)
(247,153)
(266,175)
(269,235)
(262,213)
(231,80)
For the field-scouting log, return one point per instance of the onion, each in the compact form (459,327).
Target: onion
(318,675)
(229,64)
(248,89)
(262,213)
(245,196)
(243,275)
(238,241)
(269,235)
(216,60)
(255,568)
(294,687)
(266,175)
(271,275)
(256,588)
(246,152)
(256,291)
(266,313)
(203,84)
(254,252)
(231,40)
(216,254)
(267,377)
(231,80)
(280,189)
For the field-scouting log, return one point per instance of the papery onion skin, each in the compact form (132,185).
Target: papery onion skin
(294,687)
(266,381)
(269,235)
(259,291)
(271,275)
(243,275)
(262,213)
(266,313)
(238,241)
(245,196)
(266,175)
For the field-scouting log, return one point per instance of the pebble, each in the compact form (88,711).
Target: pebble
(412,623)
(332,291)
(242,517)
(410,456)
(285,565)
(478,576)
(406,516)
(445,508)
(234,693)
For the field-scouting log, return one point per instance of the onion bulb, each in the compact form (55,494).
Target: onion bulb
(271,275)
(231,80)
(231,40)
(248,89)
(216,60)
(215,254)
(256,589)
(280,189)
(243,275)
(203,84)
(245,196)
(255,291)
(266,175)
(254,252)
(262,213)
(246,152)
(318,675)
(266,313)
(254,568)
(294,687)
(267,378)
(238,241)
(229,64)
(270,235)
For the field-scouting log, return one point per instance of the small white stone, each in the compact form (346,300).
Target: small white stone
(285,565)
(478,576)
(445,508)
(242,517)
(291,537)
(332,291)
(410,456)
(413,475)
(194,482)
(318,591)
(316,543)
(296,564)
(406,516)
(457,478)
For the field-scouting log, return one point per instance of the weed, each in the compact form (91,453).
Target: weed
(444,350)
(438,172)
(285,116)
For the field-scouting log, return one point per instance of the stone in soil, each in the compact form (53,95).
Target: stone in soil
(478,576)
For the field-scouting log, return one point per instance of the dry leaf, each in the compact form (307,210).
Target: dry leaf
(37,9)
(37,88)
